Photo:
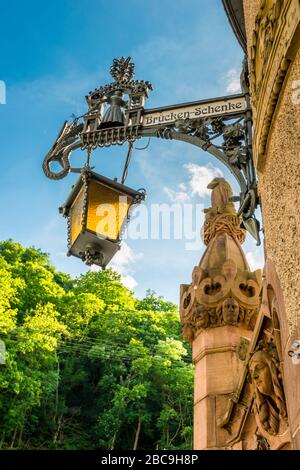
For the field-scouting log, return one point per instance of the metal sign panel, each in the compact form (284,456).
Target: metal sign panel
(198,109)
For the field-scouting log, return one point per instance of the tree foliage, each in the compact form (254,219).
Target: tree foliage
(87,364)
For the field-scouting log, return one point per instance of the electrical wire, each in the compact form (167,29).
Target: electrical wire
(87,346)
(110,352)
(110,347)
(86,339)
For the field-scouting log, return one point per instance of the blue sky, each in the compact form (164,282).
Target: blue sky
(52,55)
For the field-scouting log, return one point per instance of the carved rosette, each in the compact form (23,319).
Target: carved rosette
(223,290)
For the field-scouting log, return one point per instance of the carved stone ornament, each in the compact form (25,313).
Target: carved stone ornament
(242,348)
(262,40)
(266,378)
(256,415)
(221,216)
(260,442)
(270,56)
(223,290)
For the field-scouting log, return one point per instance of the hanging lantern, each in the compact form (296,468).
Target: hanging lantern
(97,210)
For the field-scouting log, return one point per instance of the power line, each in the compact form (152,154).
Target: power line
(88,340)
(109,353)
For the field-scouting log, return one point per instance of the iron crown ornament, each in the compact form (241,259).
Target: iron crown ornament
(122,69)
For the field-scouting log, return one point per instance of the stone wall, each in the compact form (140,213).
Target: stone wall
(273,27)
(279,187)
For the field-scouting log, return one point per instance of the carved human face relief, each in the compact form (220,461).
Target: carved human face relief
(201,317)
(261,377)
(230,310)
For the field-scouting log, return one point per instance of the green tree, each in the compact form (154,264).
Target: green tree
(88,365)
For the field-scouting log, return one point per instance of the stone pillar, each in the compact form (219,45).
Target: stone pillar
(217,372)
(218,313)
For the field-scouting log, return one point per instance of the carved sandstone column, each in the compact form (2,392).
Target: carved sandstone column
(218,313)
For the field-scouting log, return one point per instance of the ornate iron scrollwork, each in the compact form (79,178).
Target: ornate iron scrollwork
(227,136)
(68,139)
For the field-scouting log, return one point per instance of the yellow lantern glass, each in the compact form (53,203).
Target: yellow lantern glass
(98,210)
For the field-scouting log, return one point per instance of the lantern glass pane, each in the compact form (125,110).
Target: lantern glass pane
(76,215)
(107,210)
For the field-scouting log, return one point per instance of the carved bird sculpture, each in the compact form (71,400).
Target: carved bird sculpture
(220,196)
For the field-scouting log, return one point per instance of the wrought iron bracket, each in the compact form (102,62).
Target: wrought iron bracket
(227,136)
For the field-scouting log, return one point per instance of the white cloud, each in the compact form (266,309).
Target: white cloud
(122,264)
(232,79)
(177,196)
(201,176)
(124,257)
(255,259)
(129,281)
